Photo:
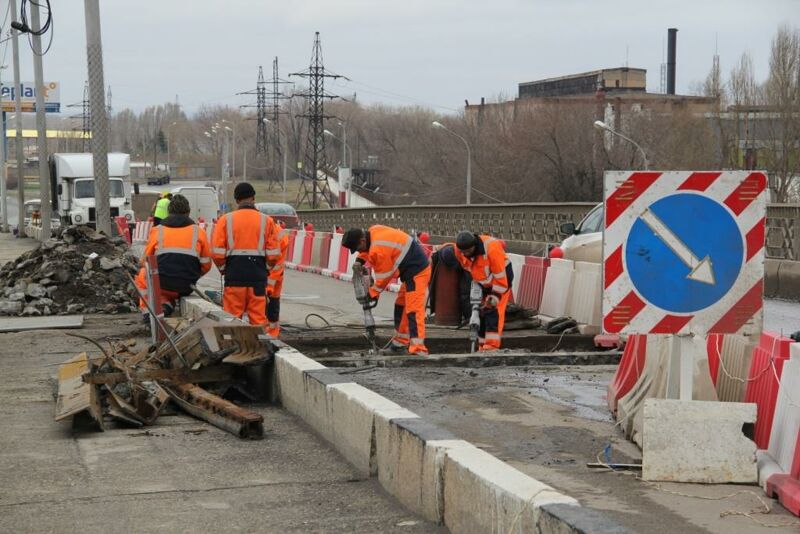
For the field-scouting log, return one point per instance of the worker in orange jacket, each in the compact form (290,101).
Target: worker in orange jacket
(182,252)
(275,284)
(485,259)
(244,247)
(390,251)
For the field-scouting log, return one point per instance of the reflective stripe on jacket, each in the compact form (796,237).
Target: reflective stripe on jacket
(276,273)
(490,267)
(244,242)
(182,251)
(391,250)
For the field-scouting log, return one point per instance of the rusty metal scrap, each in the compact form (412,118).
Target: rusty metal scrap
(217,411)
(134,388)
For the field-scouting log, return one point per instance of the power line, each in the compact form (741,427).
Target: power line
(312,186)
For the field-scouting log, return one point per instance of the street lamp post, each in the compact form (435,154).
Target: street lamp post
(169,140)
(232,129)
(602,126)
(437,124)
(345,150)
(285,153)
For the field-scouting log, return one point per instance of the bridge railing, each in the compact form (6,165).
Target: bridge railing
(525,226)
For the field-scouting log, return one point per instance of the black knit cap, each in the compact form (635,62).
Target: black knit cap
(243,190)
(465,240)
(351,238)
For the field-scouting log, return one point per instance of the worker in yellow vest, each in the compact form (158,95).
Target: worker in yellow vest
(161,210)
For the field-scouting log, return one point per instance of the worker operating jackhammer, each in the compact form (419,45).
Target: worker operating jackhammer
(485,258)
(182,252)
(390,251)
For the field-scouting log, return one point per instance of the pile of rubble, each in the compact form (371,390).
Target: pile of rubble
(81,271)
(133,388)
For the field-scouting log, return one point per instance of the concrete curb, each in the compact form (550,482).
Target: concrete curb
(429,470)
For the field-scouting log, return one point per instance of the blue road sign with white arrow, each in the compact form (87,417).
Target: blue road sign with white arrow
(684,252)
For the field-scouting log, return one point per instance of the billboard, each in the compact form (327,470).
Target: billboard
(52,97)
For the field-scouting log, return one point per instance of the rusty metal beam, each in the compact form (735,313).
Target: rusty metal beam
(217,411)
(218,373)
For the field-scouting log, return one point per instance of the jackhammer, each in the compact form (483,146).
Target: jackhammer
(475,297)
(361,284)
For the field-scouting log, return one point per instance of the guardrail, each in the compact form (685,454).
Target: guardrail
(525,223)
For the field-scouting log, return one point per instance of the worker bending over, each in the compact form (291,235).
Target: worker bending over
(390,251)
(485,259)
(244,248)
(275,284)
(182,252)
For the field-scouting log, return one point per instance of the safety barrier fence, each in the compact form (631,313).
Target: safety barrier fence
(767,374)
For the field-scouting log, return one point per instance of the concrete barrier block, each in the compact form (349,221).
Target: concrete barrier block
(484,494)
(789,280)
(411,462)
(195,308)
(697,441)
(771,281)
(318,415)
(557,288)
(571,519)
(289,368)
(353,409)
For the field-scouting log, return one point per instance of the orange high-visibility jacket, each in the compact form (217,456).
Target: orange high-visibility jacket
(182,251)
(245,241)
(391,250)
(490,267)
(277,270)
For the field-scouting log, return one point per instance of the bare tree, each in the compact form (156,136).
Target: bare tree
(781,150)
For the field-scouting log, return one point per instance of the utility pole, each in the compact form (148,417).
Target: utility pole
(41,126)
(18,118)
(3,170)
(94,54)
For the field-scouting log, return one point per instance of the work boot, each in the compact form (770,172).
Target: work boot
(394,349)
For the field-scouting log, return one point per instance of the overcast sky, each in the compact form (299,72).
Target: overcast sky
(430,52)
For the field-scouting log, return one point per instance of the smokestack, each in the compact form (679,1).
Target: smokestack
(672,35)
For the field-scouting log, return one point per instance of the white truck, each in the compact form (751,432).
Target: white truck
(72,187)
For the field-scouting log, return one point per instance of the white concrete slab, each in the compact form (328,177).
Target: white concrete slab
(698,441)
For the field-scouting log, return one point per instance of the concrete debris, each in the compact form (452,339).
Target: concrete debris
(134,387)
(82,271)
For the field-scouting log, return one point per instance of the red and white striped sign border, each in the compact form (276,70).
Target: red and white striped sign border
(627,196)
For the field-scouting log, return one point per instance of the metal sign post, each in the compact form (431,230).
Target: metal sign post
(684,256)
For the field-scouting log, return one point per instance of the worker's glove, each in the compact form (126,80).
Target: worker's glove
(492,301)
(270,291)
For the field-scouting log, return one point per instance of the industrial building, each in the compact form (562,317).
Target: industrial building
(615,80)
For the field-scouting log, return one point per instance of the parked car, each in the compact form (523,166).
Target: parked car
(158,180)
(280,212)
(585,241)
